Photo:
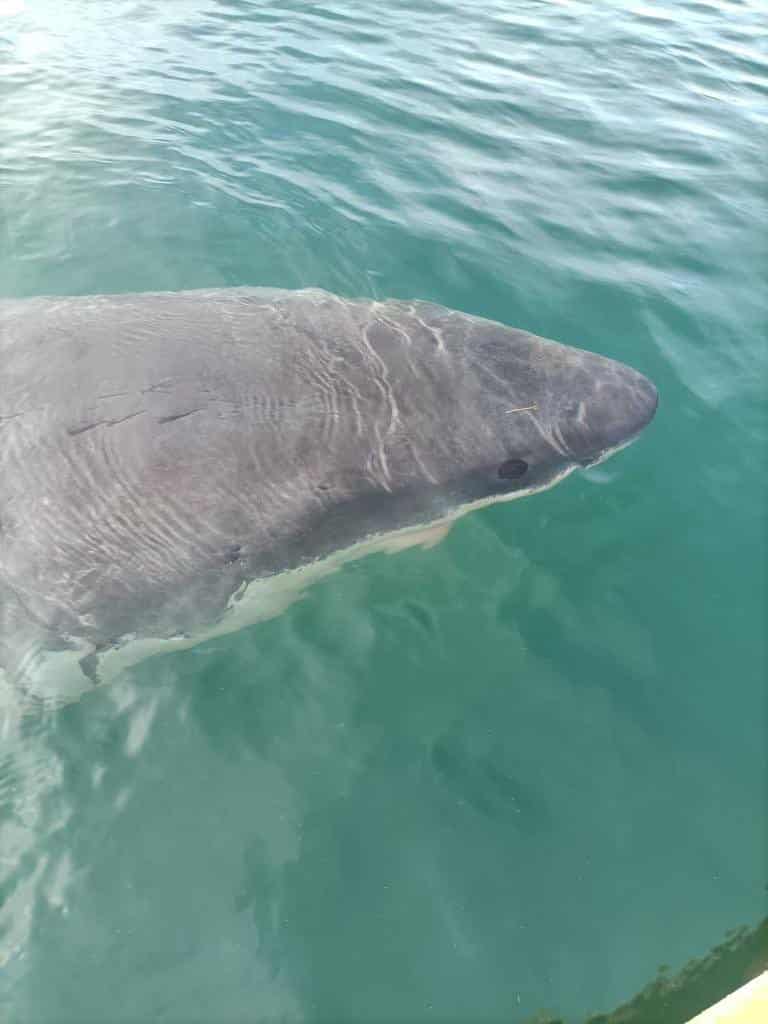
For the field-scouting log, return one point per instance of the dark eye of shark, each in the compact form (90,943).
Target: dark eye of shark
(513,469)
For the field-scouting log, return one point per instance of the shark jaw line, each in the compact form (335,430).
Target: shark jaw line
(54,678)
(266,597)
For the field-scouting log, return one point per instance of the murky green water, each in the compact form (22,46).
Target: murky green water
(515,773)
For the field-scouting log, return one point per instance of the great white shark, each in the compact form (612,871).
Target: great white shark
(176,466)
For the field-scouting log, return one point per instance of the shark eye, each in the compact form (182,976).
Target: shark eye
(513,469)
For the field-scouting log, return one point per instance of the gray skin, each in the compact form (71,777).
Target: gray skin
(159,451)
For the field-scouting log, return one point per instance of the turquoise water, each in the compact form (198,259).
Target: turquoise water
(513,774)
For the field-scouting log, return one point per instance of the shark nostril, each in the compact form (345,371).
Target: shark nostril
(513,469)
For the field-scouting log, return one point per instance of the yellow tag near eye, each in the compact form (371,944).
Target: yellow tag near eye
(524,408)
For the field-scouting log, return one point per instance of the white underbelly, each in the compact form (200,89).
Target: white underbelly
(58,677)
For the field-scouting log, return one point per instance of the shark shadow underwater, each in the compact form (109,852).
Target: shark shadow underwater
(176,466)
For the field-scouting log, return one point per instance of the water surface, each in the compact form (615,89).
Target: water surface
(510,775)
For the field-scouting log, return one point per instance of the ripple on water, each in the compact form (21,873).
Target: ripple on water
(423,786)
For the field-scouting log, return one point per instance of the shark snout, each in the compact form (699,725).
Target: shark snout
(615,407)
